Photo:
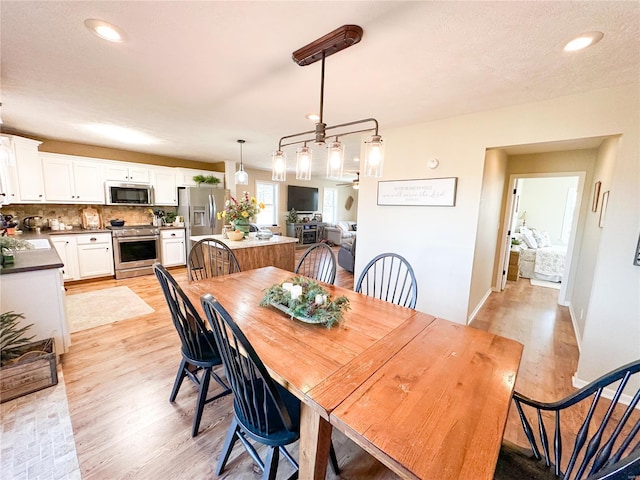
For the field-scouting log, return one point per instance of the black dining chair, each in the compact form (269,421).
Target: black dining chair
(264,411)
(318,262)
(211,258)
(199,352)
(389,277)
(607,445)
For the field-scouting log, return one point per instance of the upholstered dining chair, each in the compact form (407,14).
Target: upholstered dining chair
(199,352)
(606,446)
(264,411)
(211,258)
(318,262)
(389,277)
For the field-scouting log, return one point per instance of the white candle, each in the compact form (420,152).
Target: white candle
(287,286)
(319,299)
(296,291)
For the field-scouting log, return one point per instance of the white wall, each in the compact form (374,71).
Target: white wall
(588,254)
(440,241)
(544,199)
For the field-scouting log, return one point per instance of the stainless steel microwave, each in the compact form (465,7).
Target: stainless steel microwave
(118,193)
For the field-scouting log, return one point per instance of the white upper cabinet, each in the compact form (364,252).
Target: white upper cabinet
(68,180)
(129,173)
(165,191)
(9,192)
(30,176)
(184,177)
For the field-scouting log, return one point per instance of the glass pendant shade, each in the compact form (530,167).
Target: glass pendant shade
(279,166)
(242,177)
(303,163)
(335,159)
(374,157)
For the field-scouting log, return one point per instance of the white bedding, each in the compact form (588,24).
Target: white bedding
(545,263)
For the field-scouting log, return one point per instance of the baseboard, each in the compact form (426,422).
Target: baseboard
(478,307)
(572,314)
(606,393)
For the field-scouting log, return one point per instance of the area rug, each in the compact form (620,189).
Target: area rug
(92,309)
(544,283)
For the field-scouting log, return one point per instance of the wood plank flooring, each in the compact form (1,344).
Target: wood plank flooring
(119,376)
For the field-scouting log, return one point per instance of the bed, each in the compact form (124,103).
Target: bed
(540,262)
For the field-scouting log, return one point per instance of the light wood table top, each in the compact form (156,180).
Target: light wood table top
(438,407)
(374,374)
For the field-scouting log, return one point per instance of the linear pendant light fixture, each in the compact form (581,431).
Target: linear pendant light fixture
(317,50)
(242,177)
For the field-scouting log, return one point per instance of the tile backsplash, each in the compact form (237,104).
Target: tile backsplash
(71,214)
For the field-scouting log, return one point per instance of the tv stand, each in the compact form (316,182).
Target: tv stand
(306,233)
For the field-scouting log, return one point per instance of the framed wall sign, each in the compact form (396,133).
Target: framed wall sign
(439,192)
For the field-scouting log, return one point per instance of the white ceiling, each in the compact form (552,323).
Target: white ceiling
(198,75)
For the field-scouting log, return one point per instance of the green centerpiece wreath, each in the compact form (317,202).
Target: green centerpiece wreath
(307,301)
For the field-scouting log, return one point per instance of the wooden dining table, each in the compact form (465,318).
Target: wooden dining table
(427,397)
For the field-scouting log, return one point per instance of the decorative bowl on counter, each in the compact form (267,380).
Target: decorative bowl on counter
(116,223)
(235,235)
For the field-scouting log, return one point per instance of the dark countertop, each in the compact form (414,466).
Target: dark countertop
(34,259)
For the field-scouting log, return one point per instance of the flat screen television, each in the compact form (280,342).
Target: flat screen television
(302,199)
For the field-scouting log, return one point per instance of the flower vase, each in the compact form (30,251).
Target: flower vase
(243,226)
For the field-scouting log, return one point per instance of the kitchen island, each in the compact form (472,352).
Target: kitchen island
(33,286)
(278,251)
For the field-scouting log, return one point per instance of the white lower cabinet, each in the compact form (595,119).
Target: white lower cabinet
(67,250)
(84,255)
(173,247)
(95,255)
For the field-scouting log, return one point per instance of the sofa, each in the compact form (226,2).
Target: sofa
(340,232)
(347,255)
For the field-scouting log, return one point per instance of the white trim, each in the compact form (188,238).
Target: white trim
(480,305)
(573,316)
(606,393)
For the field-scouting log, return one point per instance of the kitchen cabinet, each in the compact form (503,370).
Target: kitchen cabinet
(184,177)
(165,191)
(125,172)
(67,180)
(173,247)
(66,247)
(9,192)
(95,254)
(29,170)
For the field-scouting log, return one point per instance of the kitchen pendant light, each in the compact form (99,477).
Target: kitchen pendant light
(279,166)
(317,50)
(335,159)
(303,163)
(242,177)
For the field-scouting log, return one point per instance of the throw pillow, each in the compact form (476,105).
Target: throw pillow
(529,239)
(537,234)
(344,226)
(547,239)
(354,227)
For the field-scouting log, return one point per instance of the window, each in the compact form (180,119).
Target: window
(267,193)
(330,205)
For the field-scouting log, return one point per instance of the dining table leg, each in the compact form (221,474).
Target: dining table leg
(315,443)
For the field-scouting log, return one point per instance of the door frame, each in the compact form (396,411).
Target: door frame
(506,224)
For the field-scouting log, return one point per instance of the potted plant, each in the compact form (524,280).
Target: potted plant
(25,366)
(292,216)
(209,179)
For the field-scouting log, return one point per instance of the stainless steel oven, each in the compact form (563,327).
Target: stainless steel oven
(135,250)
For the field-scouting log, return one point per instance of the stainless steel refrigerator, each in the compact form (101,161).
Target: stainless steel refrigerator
(199,207)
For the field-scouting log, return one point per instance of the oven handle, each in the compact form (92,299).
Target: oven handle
(137,239)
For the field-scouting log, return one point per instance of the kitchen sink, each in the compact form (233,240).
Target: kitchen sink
(40,243)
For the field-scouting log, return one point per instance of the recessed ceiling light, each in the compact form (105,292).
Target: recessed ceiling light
(356,159)
(313,116)
(123,134)
(104,30)
(583,41)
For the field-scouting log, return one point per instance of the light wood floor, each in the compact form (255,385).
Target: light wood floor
(119,376)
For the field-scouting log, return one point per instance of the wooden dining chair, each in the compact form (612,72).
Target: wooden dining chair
(389,277)
(606,446)
(199,352)
(211,258)
(318,262)
(264,411)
